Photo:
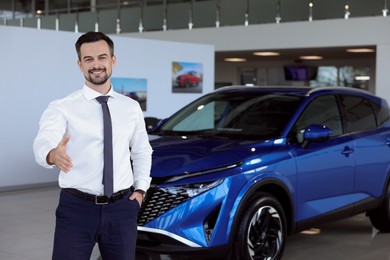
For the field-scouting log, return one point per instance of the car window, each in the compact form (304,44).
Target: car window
(201,118)
(358,114)
(264,114)
(244,116)
(322,111)
(382,113)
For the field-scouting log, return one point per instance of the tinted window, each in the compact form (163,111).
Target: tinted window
(382,113)
(243,115)
(322,111)
(358,114)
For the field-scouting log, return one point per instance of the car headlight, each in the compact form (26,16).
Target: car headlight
(191,190)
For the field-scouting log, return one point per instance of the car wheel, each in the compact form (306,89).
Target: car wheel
(261,229)
(187,83)
(380,217)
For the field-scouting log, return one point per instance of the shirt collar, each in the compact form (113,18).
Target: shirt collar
(90,94)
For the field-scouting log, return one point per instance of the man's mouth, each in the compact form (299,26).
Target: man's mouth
(96,71)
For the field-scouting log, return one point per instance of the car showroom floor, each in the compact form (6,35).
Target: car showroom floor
(27,225)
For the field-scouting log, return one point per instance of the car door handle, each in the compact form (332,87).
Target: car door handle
(347,151)
(388,142)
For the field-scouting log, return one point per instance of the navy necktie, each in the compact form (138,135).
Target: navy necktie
(108,158)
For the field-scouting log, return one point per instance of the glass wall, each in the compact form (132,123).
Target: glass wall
(118,16)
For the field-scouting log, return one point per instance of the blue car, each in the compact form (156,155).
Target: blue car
(239,169)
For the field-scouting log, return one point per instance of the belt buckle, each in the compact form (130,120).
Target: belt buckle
(98,202)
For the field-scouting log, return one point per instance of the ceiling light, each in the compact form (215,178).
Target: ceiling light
(362,78)
(312,231)
(235,59)
(360,50)
(266,53)
(311,57)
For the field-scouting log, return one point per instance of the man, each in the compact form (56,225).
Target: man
(72,137)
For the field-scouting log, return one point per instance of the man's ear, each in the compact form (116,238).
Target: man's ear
(113,61)
(79,64)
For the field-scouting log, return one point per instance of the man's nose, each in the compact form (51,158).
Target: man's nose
(96,66)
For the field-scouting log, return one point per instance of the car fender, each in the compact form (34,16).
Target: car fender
(260,183)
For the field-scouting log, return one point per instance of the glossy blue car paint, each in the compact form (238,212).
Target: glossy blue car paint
(205,178)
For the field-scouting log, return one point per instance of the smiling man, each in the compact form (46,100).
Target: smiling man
(97,138)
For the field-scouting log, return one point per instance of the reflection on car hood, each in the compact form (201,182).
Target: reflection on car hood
(176,155)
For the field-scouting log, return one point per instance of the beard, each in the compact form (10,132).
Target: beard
(98,79)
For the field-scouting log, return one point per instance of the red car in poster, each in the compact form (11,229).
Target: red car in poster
(189,79)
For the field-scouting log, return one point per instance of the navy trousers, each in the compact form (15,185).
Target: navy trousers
(80,224)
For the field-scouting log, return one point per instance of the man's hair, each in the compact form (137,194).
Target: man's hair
(93,37)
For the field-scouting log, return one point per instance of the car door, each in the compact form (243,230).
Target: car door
(372,145)
(325,169)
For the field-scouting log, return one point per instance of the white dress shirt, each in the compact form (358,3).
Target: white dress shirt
(80,115)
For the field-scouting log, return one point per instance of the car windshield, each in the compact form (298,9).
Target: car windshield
(233,115)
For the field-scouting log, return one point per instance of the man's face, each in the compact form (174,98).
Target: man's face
(96,63)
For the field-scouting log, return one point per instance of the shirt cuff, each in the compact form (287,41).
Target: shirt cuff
(42,160)
(142,185)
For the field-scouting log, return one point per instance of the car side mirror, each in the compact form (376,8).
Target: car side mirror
(316,133)
(151,123)
(162,121)
(157,125)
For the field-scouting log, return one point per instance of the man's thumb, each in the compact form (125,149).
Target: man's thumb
(65,140)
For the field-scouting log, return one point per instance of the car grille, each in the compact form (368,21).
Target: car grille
(158,201)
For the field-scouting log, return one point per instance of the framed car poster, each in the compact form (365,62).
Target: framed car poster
(187,77)
(135,88)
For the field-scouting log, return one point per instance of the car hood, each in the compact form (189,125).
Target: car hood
(177,155)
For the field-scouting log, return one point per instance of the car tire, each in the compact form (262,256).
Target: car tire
(187,83)
(261,229)
(380,217)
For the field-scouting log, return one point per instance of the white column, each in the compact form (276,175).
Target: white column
(382,85)
(46,7)
(93,5)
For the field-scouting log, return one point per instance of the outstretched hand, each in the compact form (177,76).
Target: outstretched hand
(59,157)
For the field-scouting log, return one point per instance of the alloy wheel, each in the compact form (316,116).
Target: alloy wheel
(265,234)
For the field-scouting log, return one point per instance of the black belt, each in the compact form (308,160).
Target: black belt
(99,200)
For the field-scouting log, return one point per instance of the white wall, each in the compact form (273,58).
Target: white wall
(316,34)
(152,59)
(320,33)
(383,70)
(38,66)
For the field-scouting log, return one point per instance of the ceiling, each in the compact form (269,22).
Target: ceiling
(329,53)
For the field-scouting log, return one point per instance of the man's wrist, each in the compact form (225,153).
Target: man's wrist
(143,193)
(48,158)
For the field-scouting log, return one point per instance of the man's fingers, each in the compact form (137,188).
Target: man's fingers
(136,196)
(65,168)
(64,163)
(68,161)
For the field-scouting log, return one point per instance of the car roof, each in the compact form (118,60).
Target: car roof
(298,91)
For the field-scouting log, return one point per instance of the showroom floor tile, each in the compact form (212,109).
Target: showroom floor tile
(27,226)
